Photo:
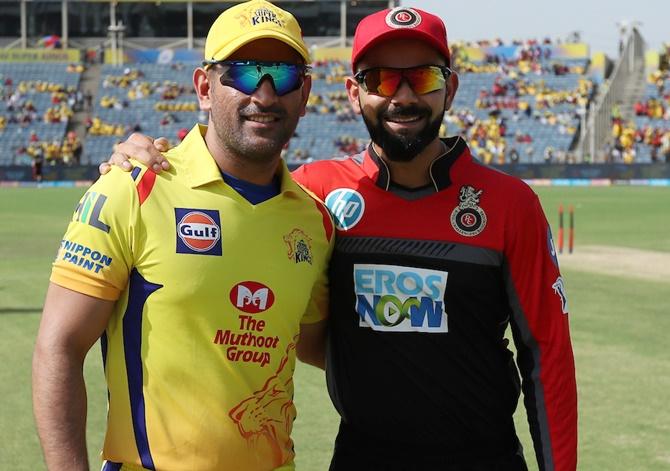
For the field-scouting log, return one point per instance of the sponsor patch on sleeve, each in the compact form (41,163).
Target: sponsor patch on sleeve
(88,210)
(82,256)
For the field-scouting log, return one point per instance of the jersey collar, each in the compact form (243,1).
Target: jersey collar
(440,168)
(202,168)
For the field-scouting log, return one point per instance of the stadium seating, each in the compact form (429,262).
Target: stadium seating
(496,95)
(524,110)
(130,98)
(330,129)
(20,85)
(650,126)
(135,111)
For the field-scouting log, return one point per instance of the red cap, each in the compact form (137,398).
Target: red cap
(401,22)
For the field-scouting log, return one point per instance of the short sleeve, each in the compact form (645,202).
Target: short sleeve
(95,256)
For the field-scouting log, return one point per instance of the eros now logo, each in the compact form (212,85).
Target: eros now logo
(252,297)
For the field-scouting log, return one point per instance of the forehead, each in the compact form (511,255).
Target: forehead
(400,53)
(267,50)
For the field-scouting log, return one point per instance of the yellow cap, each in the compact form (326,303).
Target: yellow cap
(249,21)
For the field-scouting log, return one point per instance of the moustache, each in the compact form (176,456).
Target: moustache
(251,110)
(406,112)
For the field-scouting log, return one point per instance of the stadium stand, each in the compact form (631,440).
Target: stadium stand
(525,107)
(520,107)
(647,137)
(38,100)
(156,99)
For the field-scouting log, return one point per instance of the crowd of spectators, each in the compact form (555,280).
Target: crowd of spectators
(656,107)
(132,80)
(98,127)
(629,139)
(52,152)
(501,126)
(179,106)
(335,103)
(33,105)
(650,130)
(513,98)
(523,99)
(166,98)
(349,145)
(20,108)
(533,57)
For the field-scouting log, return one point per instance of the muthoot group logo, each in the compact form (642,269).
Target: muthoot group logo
(400,299)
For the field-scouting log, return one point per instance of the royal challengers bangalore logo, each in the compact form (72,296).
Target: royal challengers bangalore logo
(468,219)
(403,18)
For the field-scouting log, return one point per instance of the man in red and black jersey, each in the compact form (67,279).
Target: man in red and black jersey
(436,255)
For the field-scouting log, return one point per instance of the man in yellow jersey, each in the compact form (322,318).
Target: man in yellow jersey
(203,283)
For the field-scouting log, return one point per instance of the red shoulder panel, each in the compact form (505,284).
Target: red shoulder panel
(145,185)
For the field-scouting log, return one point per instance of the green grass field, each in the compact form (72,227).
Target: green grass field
(620,330)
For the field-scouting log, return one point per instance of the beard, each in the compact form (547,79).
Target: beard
(403,147)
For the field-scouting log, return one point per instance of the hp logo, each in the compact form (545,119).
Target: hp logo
(347,207)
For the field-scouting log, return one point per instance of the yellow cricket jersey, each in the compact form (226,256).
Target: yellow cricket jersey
(211,291)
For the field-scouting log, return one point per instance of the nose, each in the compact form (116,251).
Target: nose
(265,94)
(404,94)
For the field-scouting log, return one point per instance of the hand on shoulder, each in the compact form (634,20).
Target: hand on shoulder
(142,148)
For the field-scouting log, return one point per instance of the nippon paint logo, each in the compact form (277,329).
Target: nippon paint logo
(252,297)
(198,231)
(400,299)
(347,207)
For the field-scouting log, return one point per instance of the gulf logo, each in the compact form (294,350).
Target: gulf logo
(198,231)
(251,297)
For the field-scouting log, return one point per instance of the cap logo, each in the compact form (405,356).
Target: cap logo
(403,18)
(265,15)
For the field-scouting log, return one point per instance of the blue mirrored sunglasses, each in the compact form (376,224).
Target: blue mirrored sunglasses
(246,76)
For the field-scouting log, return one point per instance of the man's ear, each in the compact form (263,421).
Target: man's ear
(201,84)
(353,92)
(306,88)
(451,90)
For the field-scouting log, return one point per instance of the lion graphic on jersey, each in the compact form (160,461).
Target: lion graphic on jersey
(259,415)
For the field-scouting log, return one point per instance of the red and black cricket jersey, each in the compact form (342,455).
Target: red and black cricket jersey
(424,283)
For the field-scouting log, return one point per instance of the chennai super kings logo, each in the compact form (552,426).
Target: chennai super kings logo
(468,219)
(265,15)
(299,246)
